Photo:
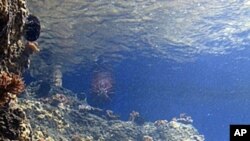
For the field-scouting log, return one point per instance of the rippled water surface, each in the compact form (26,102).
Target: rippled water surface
(198,50)
(113,30)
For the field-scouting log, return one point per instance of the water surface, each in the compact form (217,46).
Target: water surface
(166,56)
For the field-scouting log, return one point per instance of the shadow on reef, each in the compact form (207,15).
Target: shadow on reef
(43,90)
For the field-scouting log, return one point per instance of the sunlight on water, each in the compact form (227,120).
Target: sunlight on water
(99,30)
(164,56)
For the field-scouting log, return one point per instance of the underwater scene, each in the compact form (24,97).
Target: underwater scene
(123,70)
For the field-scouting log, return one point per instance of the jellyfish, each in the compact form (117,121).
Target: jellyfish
(102,84)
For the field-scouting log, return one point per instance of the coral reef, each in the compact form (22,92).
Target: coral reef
(12,19)
(159,123)
(14,125)
(59,99)
(57,76)
(14,59)
(55,113)
(11,85)
(136,118)
(184,119)
(80,121)
(147,138)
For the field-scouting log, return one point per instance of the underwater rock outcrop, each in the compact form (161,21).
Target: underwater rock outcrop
(54,123)
(11,85)
(13,57)
(14,125)
(71,120)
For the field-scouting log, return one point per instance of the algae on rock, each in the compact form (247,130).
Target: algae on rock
(14,59)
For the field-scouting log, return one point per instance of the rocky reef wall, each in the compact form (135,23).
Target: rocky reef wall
(63,117)
(14,59)
(12,50)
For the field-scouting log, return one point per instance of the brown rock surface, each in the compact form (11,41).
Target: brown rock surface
(12,17)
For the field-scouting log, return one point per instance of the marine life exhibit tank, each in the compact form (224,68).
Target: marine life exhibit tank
(124,70)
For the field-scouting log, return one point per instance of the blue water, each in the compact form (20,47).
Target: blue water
(214,90)
(166,57)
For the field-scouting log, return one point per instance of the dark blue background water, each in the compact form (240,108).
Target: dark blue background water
(214,90)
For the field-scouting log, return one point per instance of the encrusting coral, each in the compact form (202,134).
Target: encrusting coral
(11,85)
